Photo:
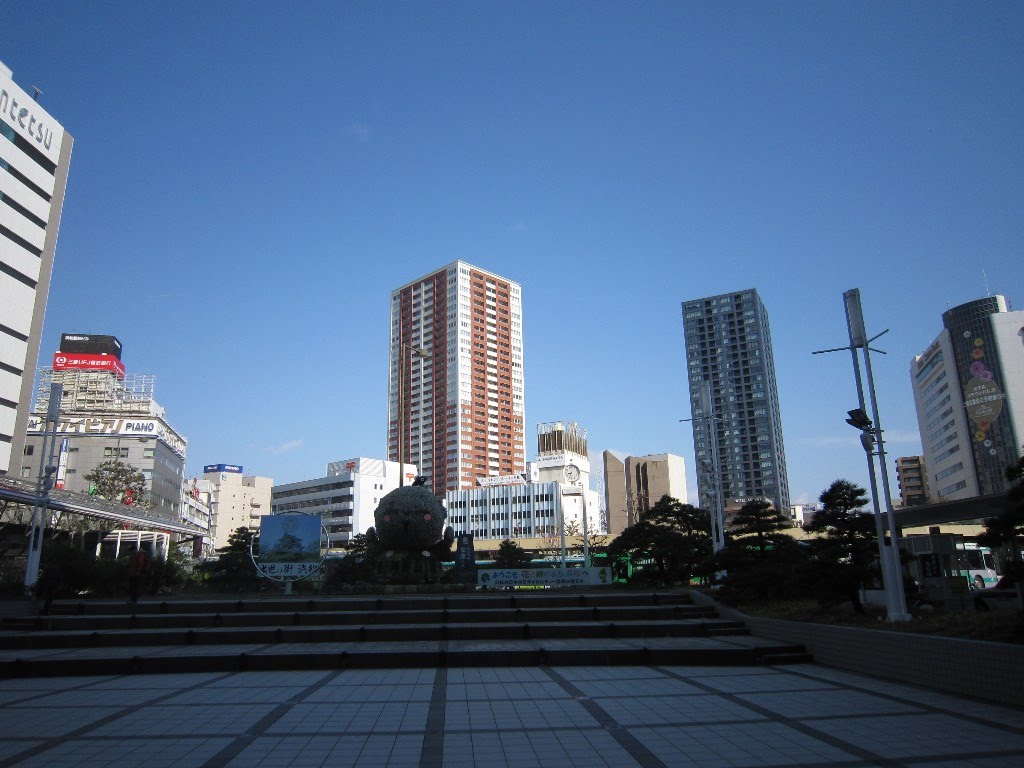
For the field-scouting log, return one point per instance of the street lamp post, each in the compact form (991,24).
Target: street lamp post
(871,437)
(422,354)
(44,482)
(712,470)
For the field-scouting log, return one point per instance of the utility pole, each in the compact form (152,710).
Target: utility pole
(874,445)
(44,482)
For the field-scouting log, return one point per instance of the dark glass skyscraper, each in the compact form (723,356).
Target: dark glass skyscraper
(729,352)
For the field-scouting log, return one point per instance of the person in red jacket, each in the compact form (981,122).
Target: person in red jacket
(138,566)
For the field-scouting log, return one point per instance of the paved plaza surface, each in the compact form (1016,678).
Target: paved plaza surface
(805,714)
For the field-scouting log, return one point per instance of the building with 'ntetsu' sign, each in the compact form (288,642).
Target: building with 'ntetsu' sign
(35,152)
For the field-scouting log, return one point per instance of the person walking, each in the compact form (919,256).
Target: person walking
(50,582)
(138,566)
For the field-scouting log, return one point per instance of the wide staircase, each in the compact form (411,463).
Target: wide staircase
(496,629)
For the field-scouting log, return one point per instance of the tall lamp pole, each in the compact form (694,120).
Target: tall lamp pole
(422,354)
(44,482)
(712,471)
(870,438)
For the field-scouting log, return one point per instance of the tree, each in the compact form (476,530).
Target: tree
(672,536)
(846,552)
(758,519)
(1003,529)
(573,538)
(233,568)
(843,521)
(360,564)
(119,481)
(511,555)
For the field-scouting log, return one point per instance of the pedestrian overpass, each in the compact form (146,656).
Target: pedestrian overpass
(20,493)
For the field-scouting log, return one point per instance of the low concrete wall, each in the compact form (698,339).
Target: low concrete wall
(991,671)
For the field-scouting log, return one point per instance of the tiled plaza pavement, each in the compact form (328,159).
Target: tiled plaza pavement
(804,715)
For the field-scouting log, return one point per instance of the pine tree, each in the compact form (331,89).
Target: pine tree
(846,552)
(511,555)
(673,536)
(845,524)
(758,519)
(1003,530)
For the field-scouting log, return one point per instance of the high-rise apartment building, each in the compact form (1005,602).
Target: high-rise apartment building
(456,377)
(737,425)
(35,152)
(913,480)
(634,484)
(969,392)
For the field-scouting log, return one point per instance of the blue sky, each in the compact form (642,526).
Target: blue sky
(250,180)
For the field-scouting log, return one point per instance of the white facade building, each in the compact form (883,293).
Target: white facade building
(561,445)
(522,511)
(969,392)
(105,416)
(531,504)
(236,500)
(801,514)
(195,509)
(345,499)
(35,152)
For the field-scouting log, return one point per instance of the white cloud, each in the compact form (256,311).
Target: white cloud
(286,447)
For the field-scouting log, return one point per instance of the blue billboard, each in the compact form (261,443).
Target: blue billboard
(210,468)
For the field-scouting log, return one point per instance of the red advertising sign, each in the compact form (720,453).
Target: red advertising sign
(77,361)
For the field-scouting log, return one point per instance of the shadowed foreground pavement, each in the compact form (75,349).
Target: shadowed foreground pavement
(800,714)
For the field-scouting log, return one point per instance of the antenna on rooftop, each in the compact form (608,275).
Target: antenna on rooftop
(37,93)
(984,276)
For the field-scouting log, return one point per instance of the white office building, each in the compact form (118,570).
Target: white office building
(529,505)
(515,509)
(237,500)
(345,499)
(969,392)
(35,152)
(195,509)
(802,514)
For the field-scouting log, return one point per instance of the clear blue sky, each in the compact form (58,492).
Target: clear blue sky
(251,179)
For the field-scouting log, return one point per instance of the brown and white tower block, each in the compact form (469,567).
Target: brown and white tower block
(457,364)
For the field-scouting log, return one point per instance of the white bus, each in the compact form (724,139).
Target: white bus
(955,557)
(978,564)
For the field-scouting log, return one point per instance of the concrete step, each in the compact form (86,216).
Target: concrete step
(746,651)
(106,637)
(453,615)
(372,633)
(478,600)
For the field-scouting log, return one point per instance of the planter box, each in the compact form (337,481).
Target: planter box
(990,671)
